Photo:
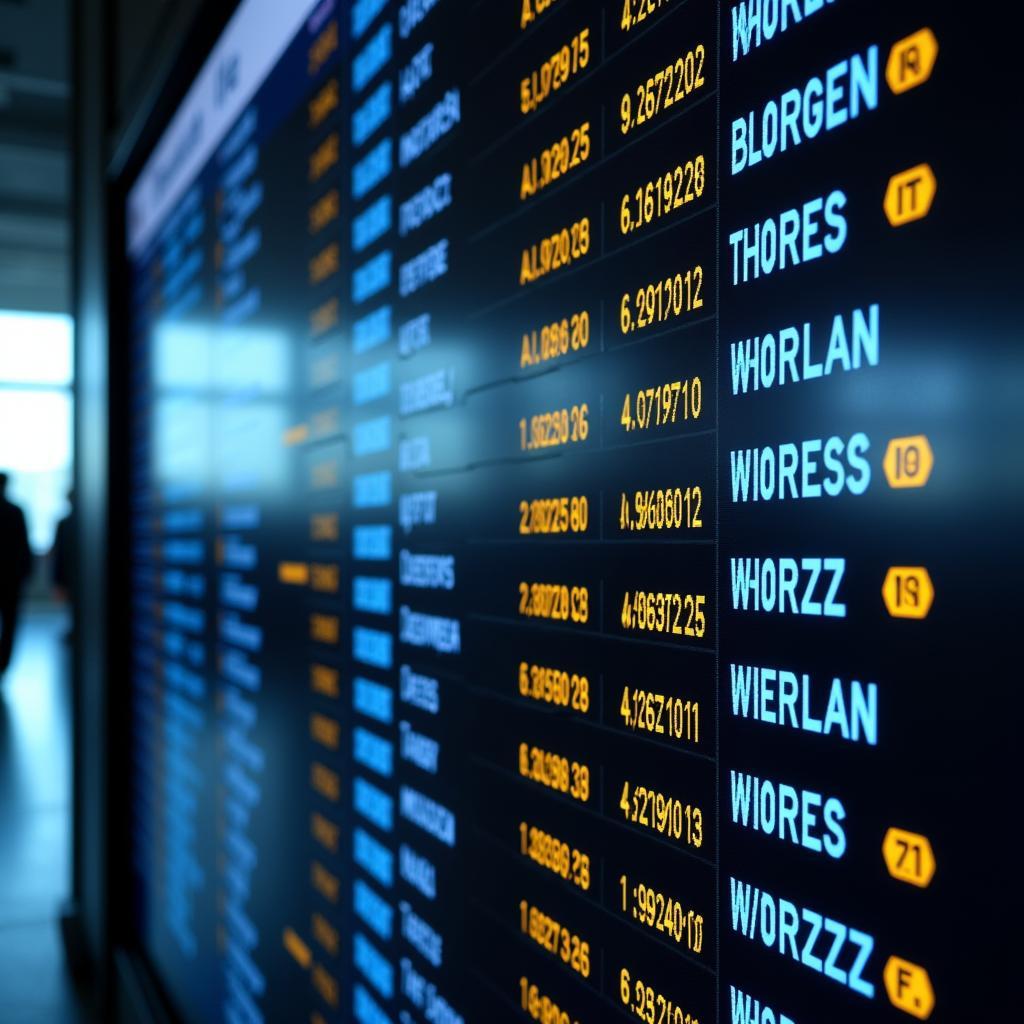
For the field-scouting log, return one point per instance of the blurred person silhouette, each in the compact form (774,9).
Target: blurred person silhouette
(15,566)
(61,558)
(60,553)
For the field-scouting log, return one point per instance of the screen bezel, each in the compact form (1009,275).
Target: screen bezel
(176,61)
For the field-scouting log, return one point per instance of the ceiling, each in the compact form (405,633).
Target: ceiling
(34,155)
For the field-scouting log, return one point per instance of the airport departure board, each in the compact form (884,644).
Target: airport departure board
(574,453)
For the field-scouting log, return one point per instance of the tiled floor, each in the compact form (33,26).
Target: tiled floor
(35,818)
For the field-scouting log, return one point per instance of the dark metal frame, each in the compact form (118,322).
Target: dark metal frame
(99,938)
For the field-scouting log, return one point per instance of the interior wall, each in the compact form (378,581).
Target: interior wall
(89,307)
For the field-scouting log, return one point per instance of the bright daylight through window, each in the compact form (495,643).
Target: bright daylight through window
(36,417)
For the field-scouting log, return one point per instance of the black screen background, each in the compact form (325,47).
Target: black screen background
(948,369)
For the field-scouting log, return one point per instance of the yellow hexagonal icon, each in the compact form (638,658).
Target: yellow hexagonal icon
(908,592)
(911,61)
(909,988)
(908,461)
(909,857)
(909,195)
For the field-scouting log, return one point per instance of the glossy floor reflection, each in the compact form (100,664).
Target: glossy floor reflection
(35,820)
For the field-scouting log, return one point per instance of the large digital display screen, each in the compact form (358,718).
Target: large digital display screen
(572,487)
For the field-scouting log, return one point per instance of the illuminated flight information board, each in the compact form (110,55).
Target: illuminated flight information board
(572,535)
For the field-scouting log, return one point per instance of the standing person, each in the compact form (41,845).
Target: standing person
(62,560)
(60,553)
(15,566)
